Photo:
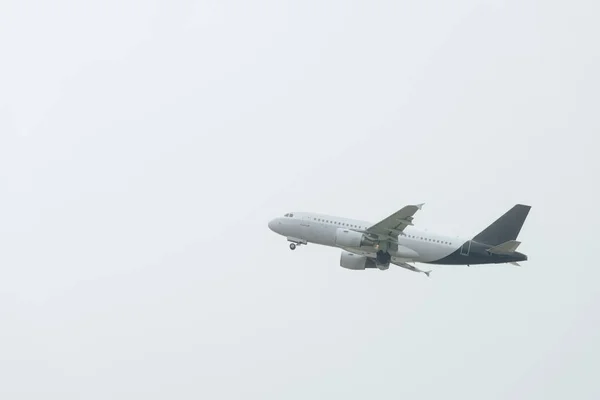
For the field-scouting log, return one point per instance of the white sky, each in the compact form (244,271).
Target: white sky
(144,145)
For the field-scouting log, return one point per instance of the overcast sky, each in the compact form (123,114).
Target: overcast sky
(144,146)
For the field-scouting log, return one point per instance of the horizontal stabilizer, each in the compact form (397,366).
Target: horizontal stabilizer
(505,248)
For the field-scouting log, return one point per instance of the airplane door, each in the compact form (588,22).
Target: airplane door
(305,222)
(305,229)
(466,247)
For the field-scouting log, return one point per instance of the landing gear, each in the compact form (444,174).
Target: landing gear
(383,257)
(383,260)
(295,242)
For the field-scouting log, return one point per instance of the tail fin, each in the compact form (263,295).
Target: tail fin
(505,228)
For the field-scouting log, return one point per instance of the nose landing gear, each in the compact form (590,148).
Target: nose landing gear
(295,242)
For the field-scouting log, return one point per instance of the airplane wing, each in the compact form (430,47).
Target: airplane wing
(393,225)
(410,267)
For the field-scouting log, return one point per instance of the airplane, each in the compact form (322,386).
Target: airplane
(394,240)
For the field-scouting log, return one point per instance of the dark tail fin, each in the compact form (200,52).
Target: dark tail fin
(505,228)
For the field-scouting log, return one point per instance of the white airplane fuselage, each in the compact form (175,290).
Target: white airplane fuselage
(413,244)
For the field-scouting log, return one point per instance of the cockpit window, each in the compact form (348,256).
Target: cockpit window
(291,215)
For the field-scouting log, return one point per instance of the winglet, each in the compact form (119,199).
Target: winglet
(420,206)
(427,273)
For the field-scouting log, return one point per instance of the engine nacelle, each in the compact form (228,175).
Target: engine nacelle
(348,238)
(356,262)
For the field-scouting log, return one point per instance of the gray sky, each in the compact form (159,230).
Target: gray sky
(144,145)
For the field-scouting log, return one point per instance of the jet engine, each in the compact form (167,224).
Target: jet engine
(356,262)
(349,238)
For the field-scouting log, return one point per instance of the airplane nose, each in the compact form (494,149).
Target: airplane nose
(272,224)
